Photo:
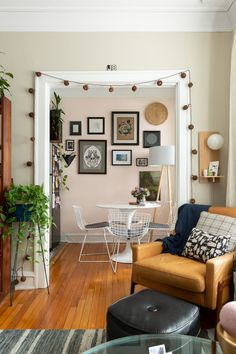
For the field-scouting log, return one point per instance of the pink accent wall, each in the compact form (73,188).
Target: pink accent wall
(87,190)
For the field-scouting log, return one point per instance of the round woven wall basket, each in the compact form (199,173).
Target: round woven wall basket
(156,113)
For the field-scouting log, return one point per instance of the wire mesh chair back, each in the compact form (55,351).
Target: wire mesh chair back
(79,217)
(128,226)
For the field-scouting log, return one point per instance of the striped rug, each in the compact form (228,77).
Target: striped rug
(49,341)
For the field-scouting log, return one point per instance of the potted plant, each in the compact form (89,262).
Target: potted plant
(28,206)
(56,120)
(4,84)
(140,194)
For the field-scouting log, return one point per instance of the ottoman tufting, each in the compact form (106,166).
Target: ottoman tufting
(149,311)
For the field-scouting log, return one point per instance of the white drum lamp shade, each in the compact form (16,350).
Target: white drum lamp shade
(215,141)
(162,155)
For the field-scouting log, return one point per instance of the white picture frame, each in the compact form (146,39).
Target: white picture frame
(213,168)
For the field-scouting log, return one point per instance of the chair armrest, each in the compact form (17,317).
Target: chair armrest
(146,250)
(217,270)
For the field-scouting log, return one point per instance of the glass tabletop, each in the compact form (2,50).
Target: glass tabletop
(175,343)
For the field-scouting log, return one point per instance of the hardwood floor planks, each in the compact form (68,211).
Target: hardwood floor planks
(80,294)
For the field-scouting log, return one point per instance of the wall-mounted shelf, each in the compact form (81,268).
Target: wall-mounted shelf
(212,178)
(205,156)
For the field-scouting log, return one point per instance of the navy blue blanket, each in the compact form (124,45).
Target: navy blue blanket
(188,215)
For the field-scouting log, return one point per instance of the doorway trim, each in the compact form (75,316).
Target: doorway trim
(49,81)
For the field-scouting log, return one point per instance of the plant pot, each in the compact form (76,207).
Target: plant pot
(22,212)
(55,127)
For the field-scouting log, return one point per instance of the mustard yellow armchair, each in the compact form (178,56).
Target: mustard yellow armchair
(205,284)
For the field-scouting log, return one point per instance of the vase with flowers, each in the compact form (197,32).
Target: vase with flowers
(140,193)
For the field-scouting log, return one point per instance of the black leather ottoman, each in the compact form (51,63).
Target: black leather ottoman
(151,312)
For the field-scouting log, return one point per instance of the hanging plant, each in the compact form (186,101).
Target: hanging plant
(63,175)
(4,84)
(56,120)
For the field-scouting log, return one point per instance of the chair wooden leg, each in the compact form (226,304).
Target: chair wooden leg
(132,287)
(221,286)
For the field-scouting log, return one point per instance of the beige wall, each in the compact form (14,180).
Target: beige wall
(207,55)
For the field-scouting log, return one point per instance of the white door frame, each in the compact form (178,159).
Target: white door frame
(48,81)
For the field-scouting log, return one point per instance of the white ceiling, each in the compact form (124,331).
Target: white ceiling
(119,16)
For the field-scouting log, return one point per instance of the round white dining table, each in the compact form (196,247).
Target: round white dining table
(126,255)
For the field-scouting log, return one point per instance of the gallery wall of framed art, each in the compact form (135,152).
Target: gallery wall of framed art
(107,163)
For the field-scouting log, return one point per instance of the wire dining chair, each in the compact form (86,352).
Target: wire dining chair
(126,227)
(81,223)
(167,227)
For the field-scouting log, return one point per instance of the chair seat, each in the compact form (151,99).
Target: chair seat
(97,225)
(154,225)
(176,271)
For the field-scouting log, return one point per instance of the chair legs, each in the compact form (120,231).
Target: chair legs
(116,248)
(97,253)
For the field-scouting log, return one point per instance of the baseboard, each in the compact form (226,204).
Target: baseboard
(78,238)
(28,284)
(93,238)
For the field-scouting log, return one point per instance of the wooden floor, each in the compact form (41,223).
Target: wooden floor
(79,295)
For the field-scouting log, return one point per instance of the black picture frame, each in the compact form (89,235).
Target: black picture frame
(75,128)
(69,145)
(151,138)
(92,157)
(125,128)
(96,125)
(141,161)
(121,157)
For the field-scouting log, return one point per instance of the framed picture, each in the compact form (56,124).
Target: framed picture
(69,145)
(151,138)
(142,161)
(96,125)
(121,157)
(213,168)
(75,128)
(150,180)
(92,156)
(125,128)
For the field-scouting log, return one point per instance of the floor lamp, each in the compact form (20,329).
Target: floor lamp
(163,156)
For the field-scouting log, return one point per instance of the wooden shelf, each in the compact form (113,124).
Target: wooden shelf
(212,178)
(5,181)
(206,155)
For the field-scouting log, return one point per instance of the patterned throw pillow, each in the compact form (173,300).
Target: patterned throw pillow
(218,225)
(204,246)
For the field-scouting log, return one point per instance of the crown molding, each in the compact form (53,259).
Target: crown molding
(122,16)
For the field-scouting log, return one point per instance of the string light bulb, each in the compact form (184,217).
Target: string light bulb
(159,82)
(134,88)
(85,87)
(111,89)
(66,83)
(183,75)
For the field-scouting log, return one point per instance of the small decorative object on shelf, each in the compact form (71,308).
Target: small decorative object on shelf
(140,194)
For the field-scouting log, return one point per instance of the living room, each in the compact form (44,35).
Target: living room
(63,45)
